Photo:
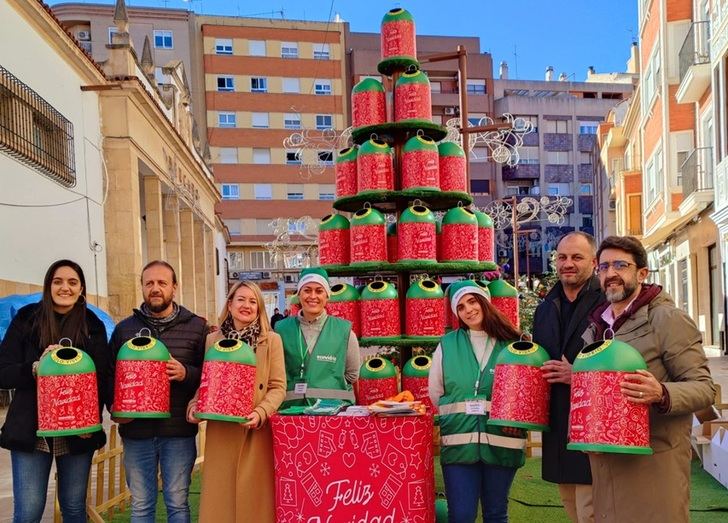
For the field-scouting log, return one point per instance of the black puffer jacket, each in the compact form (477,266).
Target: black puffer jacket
(560,465)
(185,339)
(19,350)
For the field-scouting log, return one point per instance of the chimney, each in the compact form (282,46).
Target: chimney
(549,73)
(503,70)
(563,77)
(590,72)
(633,64)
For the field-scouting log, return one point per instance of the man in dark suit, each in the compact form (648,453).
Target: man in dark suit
(558,325)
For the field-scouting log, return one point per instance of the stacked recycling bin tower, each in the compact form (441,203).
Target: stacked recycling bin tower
(391,184)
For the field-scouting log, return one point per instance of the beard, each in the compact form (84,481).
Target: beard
(617,295)
(160,306)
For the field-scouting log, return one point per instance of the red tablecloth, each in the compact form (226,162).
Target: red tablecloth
(338,469)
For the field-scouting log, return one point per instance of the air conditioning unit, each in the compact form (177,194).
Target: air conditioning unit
(502,253)
(288,278)
(234,275)
(450,110)
(265,275)
(612,205)
(83,35)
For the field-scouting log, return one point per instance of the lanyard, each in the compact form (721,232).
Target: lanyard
(481,369)
(304,352)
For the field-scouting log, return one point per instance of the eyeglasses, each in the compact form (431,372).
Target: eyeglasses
(617,265)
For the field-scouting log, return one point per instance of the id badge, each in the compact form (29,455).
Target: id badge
(300,387)
(475,406)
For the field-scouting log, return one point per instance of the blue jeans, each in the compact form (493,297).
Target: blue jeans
(30,485)
(175,457)
(466,484)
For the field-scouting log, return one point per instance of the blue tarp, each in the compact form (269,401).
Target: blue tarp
(9,306)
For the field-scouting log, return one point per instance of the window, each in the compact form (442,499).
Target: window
(475,118)
(518,189)
(479,154)
(651,78)
(585,188)
(291,121)
(227,155)
(294,192)
(225,84)
(263,191)
(260,260)
(435,87)
(163,40)
(476,86)
(558,126)
(326,158)
(588,128)
(294,260)
(159,77)
(263,227)
(296,227)
(256,47)
(226,120)
(230,191)
(293,158)
(291,85)
(558,157)
(559,189)
(236,260)
(320,51)
(223,46)
(479,187)
(233,226)
(259,85)
(322,87)
(34,132)
(261,156)
(585,157)
(587,220)
(528,155)
(112,32)
(259,120)
(681,157)
(289,50)
(324,121)
(326,191)
(526,121)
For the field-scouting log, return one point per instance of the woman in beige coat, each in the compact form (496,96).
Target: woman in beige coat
(237,480)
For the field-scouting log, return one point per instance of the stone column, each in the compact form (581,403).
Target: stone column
(212,307)
(154,211)
(122,219)
(201,274)
(172,234)
(186,292)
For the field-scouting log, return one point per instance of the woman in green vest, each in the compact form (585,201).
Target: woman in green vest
(478,461)
(321,351)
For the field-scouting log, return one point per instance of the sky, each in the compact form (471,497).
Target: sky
(530,35)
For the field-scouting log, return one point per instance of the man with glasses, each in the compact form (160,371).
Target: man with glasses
(558,324)
(638,488)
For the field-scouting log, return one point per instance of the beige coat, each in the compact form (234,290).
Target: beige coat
(237,478)
(656,489)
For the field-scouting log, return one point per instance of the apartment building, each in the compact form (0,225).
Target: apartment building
(265,80)
(677,132)
(364,54)
(556,160)
(717,126)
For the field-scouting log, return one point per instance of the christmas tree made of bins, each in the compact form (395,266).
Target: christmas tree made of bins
(394,178)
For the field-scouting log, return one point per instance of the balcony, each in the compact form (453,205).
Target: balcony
(525,171)
(697,181)
(694,63)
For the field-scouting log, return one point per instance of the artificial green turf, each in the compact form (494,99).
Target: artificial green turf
(533,500)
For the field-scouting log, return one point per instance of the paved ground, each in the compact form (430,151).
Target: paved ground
(718,367)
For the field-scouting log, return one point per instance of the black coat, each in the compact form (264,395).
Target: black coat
(185,339)
(19,350)
(561,465)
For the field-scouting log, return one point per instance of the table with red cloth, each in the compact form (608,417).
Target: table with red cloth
(349,469)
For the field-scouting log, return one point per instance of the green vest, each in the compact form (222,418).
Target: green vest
(323,367)
(467,438)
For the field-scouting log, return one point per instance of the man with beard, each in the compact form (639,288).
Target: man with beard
(558,324)
(168,444)
(639,488)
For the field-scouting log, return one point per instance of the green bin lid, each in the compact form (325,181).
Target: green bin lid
(333,222)
(64,361)
(343,292)
(347,155)
(397,15)
(368,84)
(232,351)
(417,214)
(425,289)
(609,355)
(417,367)
(379,290)
(459,216)
(367,216)
(377,368)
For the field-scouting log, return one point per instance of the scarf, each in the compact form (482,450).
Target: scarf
(160,324)
(248,334)
(648,293)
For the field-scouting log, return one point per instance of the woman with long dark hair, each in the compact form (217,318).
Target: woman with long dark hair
(36,329)
(478,461)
